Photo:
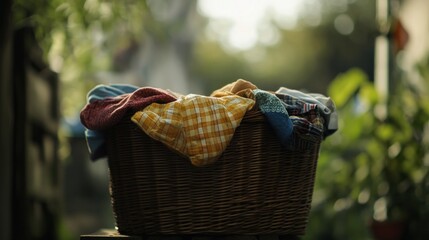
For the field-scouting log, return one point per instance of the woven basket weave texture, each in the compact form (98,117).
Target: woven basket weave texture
(256,187)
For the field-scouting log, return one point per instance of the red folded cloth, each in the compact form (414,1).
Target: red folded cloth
(101,114)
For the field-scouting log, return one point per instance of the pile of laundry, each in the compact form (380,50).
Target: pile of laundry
(201,127)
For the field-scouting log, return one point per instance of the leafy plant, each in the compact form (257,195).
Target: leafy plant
(375,167)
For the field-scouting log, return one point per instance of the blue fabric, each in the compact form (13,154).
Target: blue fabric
(101,91)
(96,139)
(96,144)
(277,115)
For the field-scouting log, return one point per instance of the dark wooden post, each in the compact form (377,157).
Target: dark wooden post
(6,120)
(35,166)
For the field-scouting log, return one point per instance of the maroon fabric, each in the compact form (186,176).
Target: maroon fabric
(105,113)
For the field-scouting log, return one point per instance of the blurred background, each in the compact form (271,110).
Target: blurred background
(371,57)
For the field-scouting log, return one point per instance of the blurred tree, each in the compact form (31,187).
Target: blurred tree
(307,57)
(87,39)
(79,38)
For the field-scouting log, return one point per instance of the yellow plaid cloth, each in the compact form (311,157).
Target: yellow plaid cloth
(196,126)
(240,87)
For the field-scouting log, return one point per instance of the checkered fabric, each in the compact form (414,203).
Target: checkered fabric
(196,126)
(309,111)
(240,87)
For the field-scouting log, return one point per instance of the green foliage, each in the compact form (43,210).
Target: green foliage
(378,165)
(79,38)
(347,84)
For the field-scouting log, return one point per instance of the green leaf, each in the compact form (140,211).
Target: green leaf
(385,132)
(369,94)
(424,104)
(345,85)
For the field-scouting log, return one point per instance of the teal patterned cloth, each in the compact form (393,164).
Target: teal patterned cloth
(273,108)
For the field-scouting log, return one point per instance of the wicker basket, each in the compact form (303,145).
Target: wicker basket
(256,187)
